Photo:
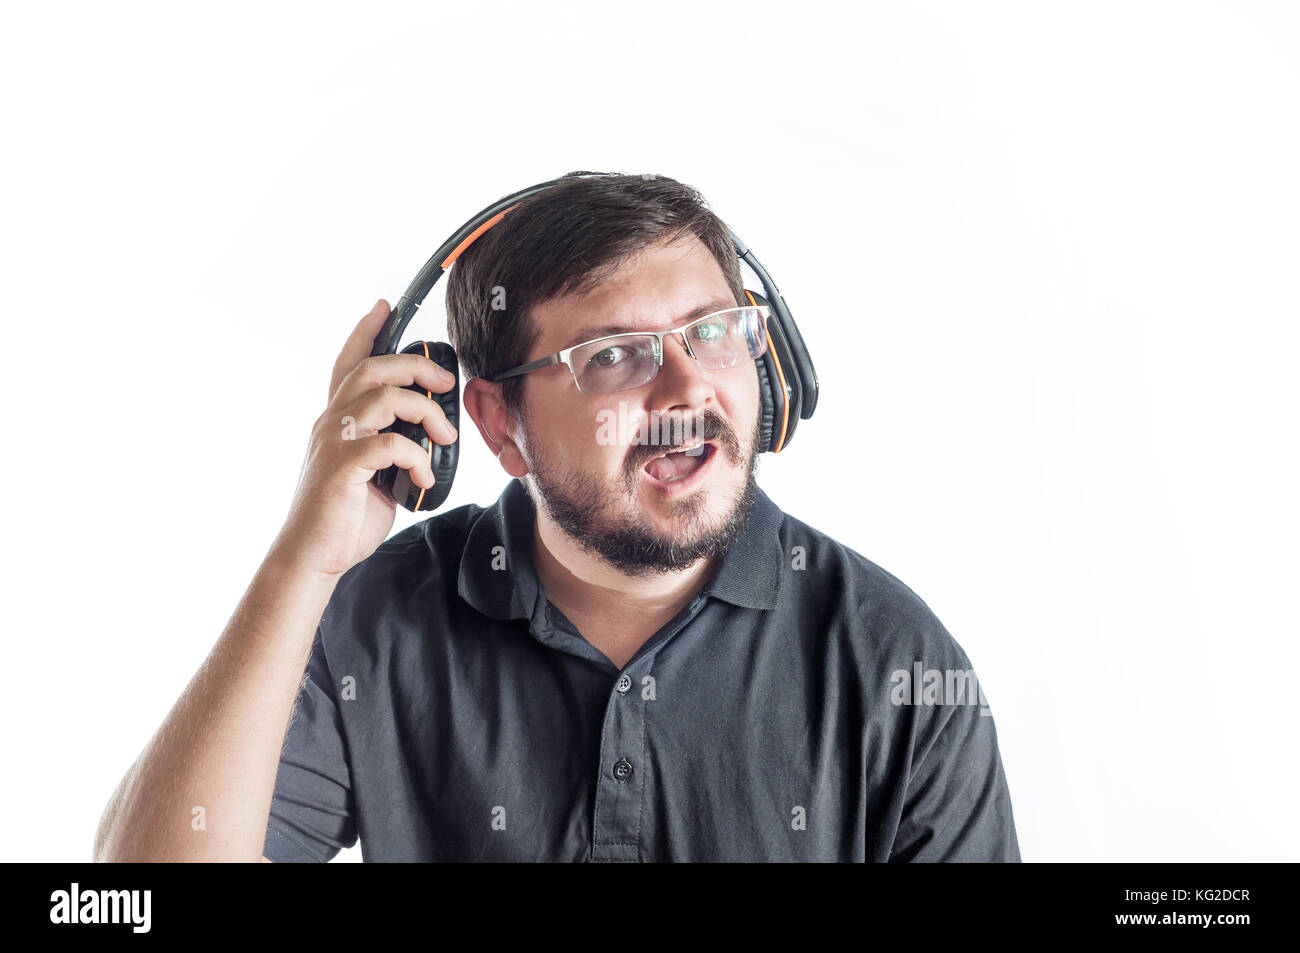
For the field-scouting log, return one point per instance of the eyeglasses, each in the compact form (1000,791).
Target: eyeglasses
(625,361)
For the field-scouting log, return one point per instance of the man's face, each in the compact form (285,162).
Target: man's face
(587,453)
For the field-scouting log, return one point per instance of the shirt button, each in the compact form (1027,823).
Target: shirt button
(624,683)
(622,769)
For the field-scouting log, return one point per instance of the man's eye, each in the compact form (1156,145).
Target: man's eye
(711,332)
(608,357)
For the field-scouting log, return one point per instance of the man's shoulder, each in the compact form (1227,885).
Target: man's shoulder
(873,602)
(420,560)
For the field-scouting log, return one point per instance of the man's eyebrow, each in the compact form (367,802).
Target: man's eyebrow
(600,330)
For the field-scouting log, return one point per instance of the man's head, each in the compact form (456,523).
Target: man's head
(593,256)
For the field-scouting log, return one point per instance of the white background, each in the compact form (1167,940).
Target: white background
(1044,256)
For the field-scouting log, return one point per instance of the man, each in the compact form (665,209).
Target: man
(633,655)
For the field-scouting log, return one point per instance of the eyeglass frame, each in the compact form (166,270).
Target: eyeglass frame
(562,357)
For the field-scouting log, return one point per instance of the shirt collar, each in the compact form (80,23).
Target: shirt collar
(498,579)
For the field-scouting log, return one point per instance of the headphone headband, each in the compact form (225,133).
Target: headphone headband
(387,340)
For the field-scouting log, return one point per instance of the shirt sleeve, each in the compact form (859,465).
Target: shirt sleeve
(312,810)
(958,805)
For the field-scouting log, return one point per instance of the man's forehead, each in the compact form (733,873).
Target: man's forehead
(661,288)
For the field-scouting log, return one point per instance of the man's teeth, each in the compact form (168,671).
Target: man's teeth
(692,452)
(696,451)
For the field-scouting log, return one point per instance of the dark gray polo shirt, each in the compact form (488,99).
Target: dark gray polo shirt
(449,712)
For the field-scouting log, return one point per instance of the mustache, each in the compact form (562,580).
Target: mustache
(680,431)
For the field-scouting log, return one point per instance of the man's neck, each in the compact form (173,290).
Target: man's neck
(615,612)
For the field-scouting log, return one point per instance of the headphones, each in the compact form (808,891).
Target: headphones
(787,381)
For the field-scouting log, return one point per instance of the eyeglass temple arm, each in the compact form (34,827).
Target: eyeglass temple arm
(525,368)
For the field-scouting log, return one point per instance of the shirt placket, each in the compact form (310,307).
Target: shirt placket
(623,769)
(620,787)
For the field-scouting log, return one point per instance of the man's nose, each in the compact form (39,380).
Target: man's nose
(681,379)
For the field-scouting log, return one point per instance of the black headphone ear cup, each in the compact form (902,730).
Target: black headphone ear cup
(785,370)
(778,381)
(445,456)
(442,457)
(766,406)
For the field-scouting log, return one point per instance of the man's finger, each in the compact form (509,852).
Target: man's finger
(359,344)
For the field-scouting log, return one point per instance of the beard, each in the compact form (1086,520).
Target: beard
(590,515)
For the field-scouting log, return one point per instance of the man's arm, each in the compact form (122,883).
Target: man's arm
(219,748)
(203,786)
(958,805)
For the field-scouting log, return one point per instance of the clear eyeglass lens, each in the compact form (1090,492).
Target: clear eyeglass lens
(719,341)
(729,337)
(618,364)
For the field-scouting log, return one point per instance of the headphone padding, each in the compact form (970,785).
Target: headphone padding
(443,457)
(766,405)
(794,387)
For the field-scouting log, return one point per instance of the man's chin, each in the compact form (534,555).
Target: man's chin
(646,526)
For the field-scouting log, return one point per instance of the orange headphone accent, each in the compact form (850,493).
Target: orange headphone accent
(780,373)
(469,239)
(429,394)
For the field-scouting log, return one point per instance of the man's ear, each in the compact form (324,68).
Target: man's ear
(485,407)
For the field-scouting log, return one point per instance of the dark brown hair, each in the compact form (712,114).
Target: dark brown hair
(565,240)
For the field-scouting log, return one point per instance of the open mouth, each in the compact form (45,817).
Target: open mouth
(680,465)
